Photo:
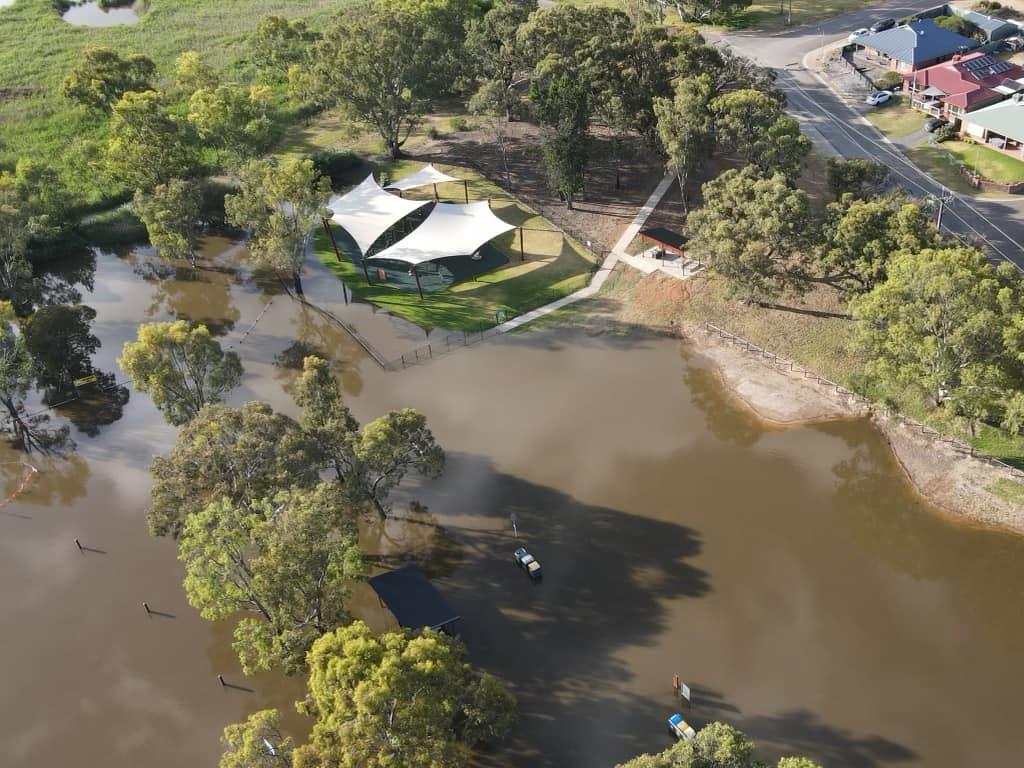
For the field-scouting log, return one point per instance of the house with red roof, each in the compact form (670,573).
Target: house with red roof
(965,83)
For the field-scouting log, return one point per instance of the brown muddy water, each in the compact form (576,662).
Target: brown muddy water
(791,577)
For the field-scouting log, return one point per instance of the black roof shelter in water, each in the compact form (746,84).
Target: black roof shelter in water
(413,600)
(664,237)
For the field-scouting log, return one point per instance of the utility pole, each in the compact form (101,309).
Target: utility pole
(947,196)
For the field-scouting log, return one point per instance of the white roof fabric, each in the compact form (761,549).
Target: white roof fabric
(425,176)
(451,229)
(367,211)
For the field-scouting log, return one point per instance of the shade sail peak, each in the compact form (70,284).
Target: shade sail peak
(367,211)
(451,229)
(424,177)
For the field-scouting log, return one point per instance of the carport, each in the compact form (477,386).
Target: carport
(413,600)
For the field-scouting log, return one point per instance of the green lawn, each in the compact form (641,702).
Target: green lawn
(895,118)
(941,166)
(990,163)
(37,48)
(554,266)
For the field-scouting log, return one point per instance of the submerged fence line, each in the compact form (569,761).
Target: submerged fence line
(784,363)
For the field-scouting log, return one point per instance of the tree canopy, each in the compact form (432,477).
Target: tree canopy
(170,213)
(716,745)
(102,76)
(181,367)
(278,203)
(146,146)
(686,128)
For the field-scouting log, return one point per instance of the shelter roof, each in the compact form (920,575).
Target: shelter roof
(664,236)
(916,42)
(1005,118)
(413,600)
(424,177)
(367,211)
(451,229)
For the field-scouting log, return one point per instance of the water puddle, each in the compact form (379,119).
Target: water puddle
(93,14)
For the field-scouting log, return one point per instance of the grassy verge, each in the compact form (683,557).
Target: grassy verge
(990,163)
(37,49)
(554,266)
(896,118)
(777,15)
(1007,489)
(941,166)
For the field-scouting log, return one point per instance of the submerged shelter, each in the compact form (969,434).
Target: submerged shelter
(413,600)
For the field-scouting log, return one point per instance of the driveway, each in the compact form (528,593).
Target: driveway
(840,129)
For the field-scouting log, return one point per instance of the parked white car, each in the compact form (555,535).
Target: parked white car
(854,35)
(878,97)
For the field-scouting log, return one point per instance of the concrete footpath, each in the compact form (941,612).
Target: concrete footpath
(618,253)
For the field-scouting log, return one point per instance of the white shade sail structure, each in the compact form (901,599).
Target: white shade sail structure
(451,229)
(366,212)
(424,177)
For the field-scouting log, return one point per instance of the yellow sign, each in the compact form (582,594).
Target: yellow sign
(90,379)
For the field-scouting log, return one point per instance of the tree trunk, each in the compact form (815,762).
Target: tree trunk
(297,279)
(394,148)
(20,437)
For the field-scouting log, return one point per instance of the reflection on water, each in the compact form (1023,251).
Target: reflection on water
(91,14)
(791,577)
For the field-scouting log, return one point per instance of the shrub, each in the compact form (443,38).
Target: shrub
(890,81)
(945,133)
(341,166)
(459,124)
(432,132)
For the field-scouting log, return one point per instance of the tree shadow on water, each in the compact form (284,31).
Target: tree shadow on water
(606,576)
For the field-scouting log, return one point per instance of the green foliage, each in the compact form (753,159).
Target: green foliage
(340,166)
(42,198)
(59,340)
(459,123)
(562,104)
(945,133)
(171,213)
(278,44)
(889,81)
(181,368)
(192,73)
(685,128)
(17,285)
(278,204)
(232,118)
(399,699)
(239,454)
(860,236)
(938,325)
(101,77)
(1013,414)
(750,230)
(752,124)
(497,55)
(960,26)
(716,745)
(286,561)
(246,743)
(861,179)
(713,11)
(147,146)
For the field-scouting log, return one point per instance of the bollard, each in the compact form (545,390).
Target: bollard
(431,351)
(221,679)
(146,606)
(78,544)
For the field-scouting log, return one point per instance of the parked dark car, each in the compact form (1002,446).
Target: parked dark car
(932,124)
(884,24)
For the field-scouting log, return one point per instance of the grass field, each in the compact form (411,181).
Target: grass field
(896,119)
(37,48)
(990,163)
(554,265)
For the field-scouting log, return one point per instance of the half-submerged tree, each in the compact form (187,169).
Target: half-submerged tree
(258,743)
(286,563)
(716,745)
(400,699)
(171,214)
(278,204)
(181,367)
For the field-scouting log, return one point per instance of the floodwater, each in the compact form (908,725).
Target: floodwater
(791,577)
(92,14)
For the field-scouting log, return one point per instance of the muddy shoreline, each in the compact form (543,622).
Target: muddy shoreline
(956,483)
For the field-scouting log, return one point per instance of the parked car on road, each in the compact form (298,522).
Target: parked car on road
(932,124)
(884,24)
(527,562)
(681,729)
(878,97)
(857,33)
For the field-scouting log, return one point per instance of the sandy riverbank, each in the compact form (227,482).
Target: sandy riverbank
(955,482)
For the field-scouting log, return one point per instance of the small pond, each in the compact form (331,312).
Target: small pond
(93,14)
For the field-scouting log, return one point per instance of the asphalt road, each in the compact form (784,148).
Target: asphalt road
(998,223)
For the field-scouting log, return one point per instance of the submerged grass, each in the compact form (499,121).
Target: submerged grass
(554,265)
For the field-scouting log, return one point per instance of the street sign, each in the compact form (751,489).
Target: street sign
(684,691)
(90,379)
